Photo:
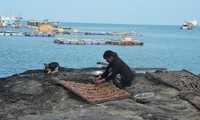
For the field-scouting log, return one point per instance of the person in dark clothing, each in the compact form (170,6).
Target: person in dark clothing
(117,71)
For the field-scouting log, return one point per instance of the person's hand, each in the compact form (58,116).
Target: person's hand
(99,77)
(100,81)
(93,79)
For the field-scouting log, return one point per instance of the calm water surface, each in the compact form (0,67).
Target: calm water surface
(164,46)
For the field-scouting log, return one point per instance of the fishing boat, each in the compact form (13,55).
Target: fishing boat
(36,23)
(189,24)
(12,21)
(186,25)
(194,22)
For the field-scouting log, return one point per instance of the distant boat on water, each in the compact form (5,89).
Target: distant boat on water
(12,21)
(189,24)
(194,22)
(37,23)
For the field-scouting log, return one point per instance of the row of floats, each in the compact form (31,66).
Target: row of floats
(29,34)
(9,33)
(52,34)
(76,32)
(126,40)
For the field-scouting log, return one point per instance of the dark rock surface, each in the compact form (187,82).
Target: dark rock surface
(36,95)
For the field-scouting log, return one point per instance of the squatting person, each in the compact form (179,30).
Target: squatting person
(117,71)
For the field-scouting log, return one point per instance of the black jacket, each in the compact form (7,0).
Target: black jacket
(119,67)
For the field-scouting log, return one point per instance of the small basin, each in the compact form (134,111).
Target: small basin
(97,73)
(144,97)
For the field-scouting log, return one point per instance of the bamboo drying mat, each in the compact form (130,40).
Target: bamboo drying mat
(95,94)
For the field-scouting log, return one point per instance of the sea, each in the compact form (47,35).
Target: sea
(165,46)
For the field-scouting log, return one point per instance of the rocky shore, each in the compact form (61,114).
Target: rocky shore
(36,95)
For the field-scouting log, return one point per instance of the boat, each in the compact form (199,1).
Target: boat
(36,23)
(186,25)
(55,24)
(189,24)
(194,22)
(12,21)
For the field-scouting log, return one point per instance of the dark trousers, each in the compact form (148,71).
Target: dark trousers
(118,82)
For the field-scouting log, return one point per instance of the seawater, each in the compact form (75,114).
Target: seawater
(164,47)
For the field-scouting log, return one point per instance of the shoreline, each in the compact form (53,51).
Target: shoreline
(136,69)
(36,95)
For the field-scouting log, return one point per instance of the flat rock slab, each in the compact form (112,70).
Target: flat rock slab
(181,80)
(184,81)
(27,87)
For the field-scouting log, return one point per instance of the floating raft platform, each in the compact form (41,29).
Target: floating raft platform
(120,42)
(75,41)
(39,34)
(76,32)
(11,33)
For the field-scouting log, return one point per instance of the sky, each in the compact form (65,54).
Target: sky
(145,12)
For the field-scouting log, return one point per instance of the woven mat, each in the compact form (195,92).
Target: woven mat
(95,94)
